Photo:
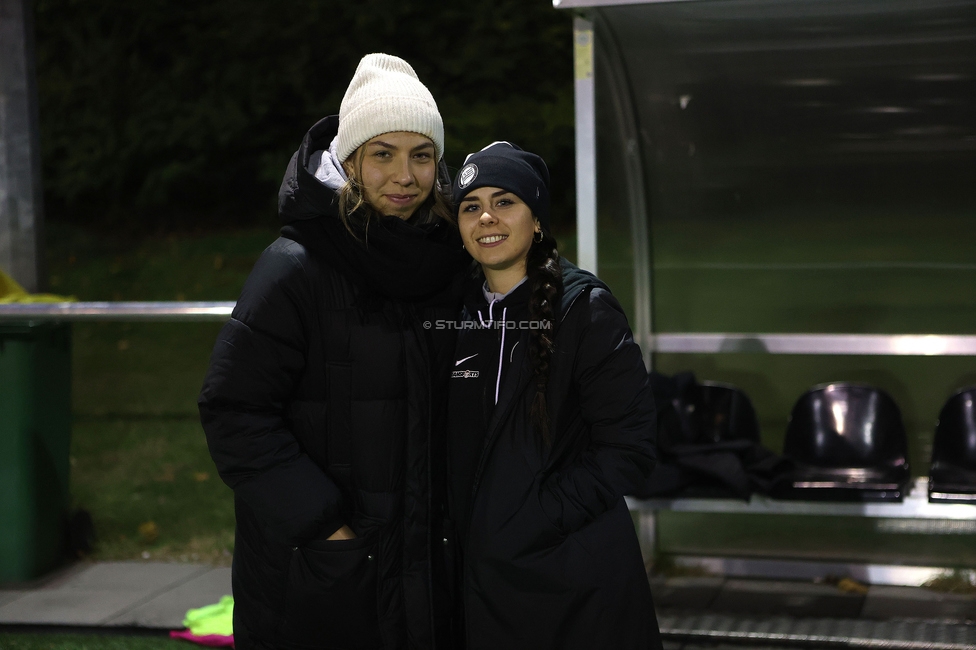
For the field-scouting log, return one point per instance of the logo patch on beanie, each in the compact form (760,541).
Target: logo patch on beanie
(467,175)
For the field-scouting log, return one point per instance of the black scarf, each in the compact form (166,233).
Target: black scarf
(388,256)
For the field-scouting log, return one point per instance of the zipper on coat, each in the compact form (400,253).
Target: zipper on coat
(501,348)
(482,461)
(490,435)
(501,355)
(421,336)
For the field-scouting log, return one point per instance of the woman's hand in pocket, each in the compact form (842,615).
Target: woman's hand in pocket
(344,532)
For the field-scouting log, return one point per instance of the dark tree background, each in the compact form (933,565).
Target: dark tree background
(163,114)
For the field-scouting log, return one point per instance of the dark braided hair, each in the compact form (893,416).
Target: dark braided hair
(545,280)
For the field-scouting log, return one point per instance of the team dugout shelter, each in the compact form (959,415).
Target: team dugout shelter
(782,194)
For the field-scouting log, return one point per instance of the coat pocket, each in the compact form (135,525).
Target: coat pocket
(331,595)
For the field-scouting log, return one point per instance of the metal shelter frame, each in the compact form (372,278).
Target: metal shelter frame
(588,46)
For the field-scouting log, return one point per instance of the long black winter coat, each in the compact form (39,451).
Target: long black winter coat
(550,557)
(319,408)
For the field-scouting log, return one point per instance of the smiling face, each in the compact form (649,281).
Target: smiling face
(497,228)
(397,171)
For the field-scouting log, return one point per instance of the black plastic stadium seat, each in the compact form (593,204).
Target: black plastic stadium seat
(712,412)
(952,475)
(708,442)
(848,443)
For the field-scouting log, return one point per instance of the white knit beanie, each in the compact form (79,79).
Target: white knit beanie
(385,95)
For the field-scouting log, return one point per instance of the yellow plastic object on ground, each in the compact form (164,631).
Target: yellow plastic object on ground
(11,292)
(216,619)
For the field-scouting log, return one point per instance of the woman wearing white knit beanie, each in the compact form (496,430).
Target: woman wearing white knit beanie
(386,95)
(385,101)
(323,401)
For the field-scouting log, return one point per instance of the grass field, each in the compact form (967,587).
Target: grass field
(873,272)
(884,271)
(870,271)
(139,460)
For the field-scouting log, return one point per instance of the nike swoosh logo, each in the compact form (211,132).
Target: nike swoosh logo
(458,363)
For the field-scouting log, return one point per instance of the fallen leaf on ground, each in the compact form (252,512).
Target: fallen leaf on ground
(149,531)
(849,586)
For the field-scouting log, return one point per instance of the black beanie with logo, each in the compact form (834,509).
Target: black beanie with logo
(506,166)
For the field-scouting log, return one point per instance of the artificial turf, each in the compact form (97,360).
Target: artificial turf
(59,641)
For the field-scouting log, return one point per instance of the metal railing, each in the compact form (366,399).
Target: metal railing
(116,311)
(915,505)
(666,342)
(869,344)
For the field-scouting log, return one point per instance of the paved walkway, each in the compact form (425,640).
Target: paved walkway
(790,613)
(156,596)
(115,594)
(751,597)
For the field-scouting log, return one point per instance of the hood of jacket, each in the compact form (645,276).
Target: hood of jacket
(308,189)
(509,312)
(301,195)
(575,282)
(386,255)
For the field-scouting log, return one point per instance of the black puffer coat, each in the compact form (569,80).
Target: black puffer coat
(320,409)
(550,554)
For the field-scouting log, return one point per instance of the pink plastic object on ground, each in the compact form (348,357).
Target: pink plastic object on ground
(211,640)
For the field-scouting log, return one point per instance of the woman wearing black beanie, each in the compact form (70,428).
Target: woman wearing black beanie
(551,423)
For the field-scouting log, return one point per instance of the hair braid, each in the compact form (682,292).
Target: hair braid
(546,283)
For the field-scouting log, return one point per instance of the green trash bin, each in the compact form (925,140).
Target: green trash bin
(35,438)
